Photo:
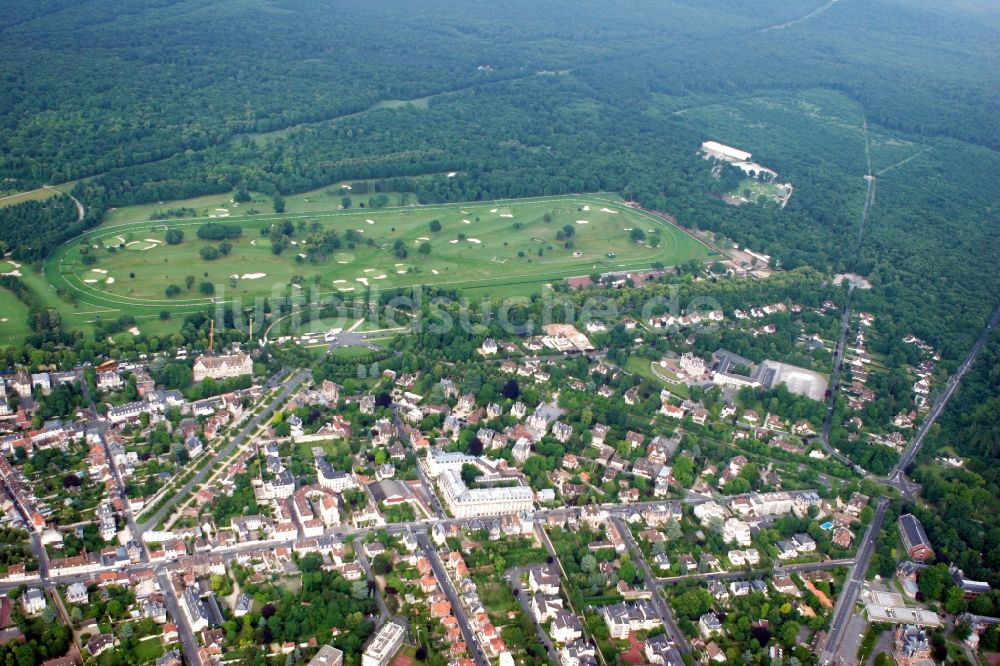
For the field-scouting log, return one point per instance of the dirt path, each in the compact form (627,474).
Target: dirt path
(79,206)
(789,24)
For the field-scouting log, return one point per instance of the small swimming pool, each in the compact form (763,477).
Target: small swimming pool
(827,525)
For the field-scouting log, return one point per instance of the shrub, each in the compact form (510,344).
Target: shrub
(216,231)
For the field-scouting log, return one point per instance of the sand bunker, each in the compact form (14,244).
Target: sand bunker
(586,208)
(493,210)
(465,212)
(152,240)
(434,270)
(90,281)
(222,210)
(110,280)
(399,264)
(583,222)
(300,255)
(120,239)
(253,276)
(453,241)
(4,319)
(401,272)
(363,281)
(474,240)
(608,210)
(339,281)
(134,330)
(379,277)
(506,215)
(369,270)
(98,270)
(345,289)
(627,229)
(451,174)
(370,221)
(467,221)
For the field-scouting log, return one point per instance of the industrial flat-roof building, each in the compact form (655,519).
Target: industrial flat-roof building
(327,656)
(890,607)
(724,152)
(383,647)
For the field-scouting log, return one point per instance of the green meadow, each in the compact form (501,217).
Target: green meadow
(515,246)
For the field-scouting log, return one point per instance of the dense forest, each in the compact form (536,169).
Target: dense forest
(181,100)
(31,229)
(100,84)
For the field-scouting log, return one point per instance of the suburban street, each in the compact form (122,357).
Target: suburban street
(751,573)
(524,598)
(189,643)
(251,427)
(544,538)
(942,401)
(838,362)
(844,608)
(383,610)
(662,609)
(468,635)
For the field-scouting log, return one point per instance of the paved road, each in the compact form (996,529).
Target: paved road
(456,606)
(942,400)
(752,573)
(524,598)
(661,606)
(383,610)
(544,538)
(251,427)
(844,607)
(428,488)
(340,531)
(838,361)
(189,643)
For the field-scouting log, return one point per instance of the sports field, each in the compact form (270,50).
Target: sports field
(478,245)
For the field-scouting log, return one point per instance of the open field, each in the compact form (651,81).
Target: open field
(13,319)
(479,245)
(642,367)
(757,191)
(33,195)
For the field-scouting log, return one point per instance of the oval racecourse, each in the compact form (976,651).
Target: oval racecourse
(480,245)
